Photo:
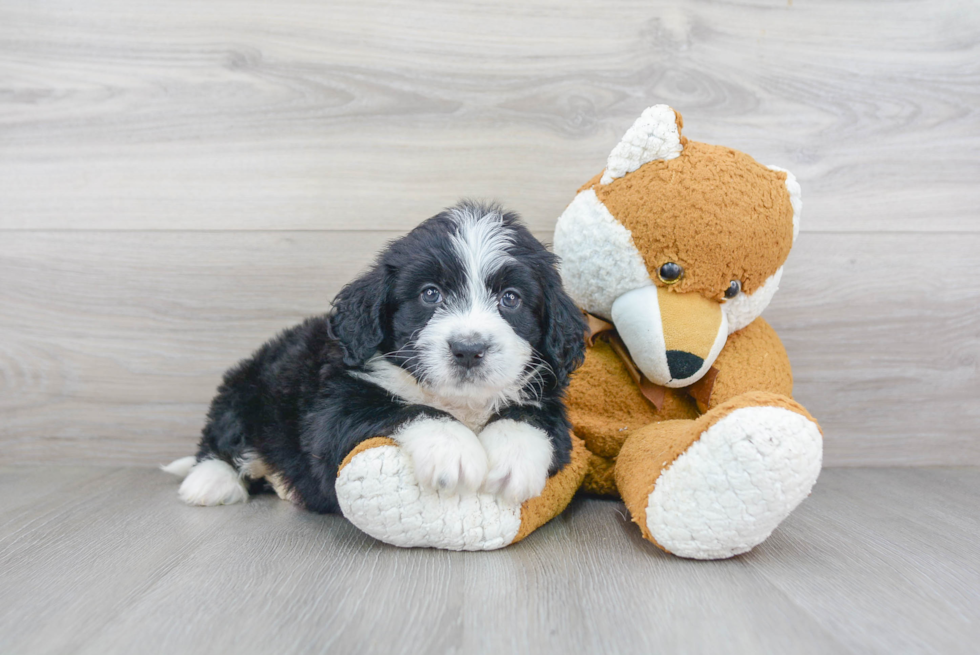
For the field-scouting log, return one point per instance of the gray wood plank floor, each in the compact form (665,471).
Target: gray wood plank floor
(106,560)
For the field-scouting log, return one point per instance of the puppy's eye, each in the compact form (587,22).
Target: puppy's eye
(510,300)
(670,273)
(733,289)
(431,296)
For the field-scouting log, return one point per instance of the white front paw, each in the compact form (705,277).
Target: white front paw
(446,454)
(520,456)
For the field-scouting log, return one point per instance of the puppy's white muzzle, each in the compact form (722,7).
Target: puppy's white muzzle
(673,338)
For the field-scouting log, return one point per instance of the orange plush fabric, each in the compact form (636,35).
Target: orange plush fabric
(606,406)
(707,210)
(600,477)
(729,223)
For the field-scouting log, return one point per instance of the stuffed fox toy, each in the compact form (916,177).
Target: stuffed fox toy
(683,407)
(684,401)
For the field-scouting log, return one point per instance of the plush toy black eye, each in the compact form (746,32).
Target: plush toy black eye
(670,273)
(510,300)
(431,296)
(733,289)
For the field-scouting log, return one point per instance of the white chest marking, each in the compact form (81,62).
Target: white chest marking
(472,410)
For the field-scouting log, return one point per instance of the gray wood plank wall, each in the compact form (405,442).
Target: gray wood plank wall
(180,180)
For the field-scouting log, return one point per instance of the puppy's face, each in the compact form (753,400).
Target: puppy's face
(473,307)
(467,311)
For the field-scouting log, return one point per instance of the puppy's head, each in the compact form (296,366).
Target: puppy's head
(469,303)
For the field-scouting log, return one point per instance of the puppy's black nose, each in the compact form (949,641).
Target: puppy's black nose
(682,365)
(468,354)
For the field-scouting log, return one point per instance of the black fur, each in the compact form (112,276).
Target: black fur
(295,404)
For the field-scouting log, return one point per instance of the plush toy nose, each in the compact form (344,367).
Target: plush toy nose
(672,337)
(468,354)
(683,365)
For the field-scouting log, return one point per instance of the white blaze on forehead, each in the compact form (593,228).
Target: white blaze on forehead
(600,262)
(653,136)
(481,243)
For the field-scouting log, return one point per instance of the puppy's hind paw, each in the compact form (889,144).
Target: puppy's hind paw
(446,455)
(213,482)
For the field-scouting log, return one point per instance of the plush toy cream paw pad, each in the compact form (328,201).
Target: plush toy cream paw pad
(736,483)
(378,493)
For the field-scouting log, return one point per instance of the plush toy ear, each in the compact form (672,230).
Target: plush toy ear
(656,134)
(564,338)
(795,198)
(358,316)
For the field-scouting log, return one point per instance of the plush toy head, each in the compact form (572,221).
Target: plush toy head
(678,243)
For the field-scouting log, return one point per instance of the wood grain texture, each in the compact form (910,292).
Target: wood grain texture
(112,343)
(109,561)
(884,354)
(295,115)
(179,181)
(908,536)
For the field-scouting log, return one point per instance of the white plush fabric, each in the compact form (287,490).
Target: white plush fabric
(654,135)
(744,308)
(636,315)
(599,261)
(795,198)
(379,494)
(734,485)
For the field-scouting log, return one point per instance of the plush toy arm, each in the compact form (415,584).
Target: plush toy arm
(606,406)
(753,360)
(603,399)
(378,492)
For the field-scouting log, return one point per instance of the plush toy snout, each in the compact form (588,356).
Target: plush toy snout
(673,338)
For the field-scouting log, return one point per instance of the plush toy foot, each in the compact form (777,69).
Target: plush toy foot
(378,492)
(718,486)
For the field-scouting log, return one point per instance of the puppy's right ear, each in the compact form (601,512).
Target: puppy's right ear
(358,317)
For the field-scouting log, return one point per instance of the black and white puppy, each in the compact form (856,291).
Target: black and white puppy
(458,344)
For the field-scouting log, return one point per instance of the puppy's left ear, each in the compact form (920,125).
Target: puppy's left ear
(564,336)
(359,318)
